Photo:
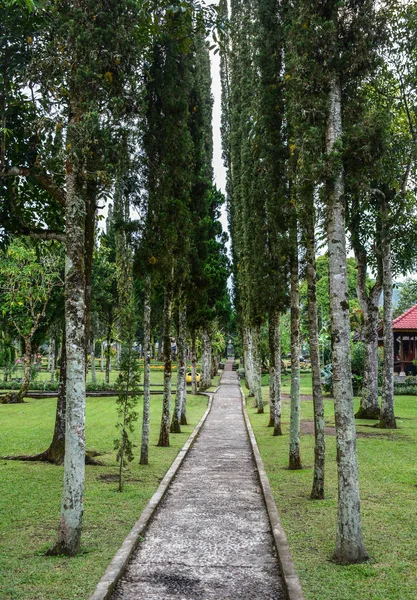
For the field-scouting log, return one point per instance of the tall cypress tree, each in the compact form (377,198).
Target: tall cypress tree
(168,147)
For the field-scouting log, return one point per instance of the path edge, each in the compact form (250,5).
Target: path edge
(291,582)
(118,564)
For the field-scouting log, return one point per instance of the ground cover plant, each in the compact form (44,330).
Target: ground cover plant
(388,481)
(31,495)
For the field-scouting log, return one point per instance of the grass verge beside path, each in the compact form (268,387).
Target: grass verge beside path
(31,495)
(388,485)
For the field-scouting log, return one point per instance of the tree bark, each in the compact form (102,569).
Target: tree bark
(275,371)
(56,451)
(56,353)
(272,359)
(257,368)
(369,407)
(108,355)
(93,361)
(294,453)
(181,366)
(102,357)
(166,404)
(349,543)
(387,417)
(317,492)
(205,377)
(144,449)
(50,357)
(69,532)
(248,360)
(193,364)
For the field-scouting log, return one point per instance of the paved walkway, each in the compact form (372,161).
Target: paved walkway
(210,538)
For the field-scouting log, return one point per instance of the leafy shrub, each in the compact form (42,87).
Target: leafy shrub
(327,379)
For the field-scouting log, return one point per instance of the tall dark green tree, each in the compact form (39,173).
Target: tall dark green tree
(169,160)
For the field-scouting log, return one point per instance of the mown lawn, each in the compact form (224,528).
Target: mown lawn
(388,485)
(31,492)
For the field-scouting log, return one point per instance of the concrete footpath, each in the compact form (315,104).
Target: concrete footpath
(210,538)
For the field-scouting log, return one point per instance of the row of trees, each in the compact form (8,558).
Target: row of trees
(92,107)
(319,121)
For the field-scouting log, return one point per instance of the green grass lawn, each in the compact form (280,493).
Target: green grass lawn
(388,485)
(31,492)
(157,375)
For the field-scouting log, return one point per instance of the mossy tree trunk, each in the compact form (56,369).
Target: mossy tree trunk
(180,398)
(144,448)
(248,360)
(369,301)
(257,368)
(350,548)
(205,377)
(275,357)
(193,363)
(317,492)
(166,403)
(387,417)
(69,532)
(294,453)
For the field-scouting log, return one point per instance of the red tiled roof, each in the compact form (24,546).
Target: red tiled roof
(407,320)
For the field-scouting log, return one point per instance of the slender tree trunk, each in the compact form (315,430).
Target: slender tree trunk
(108,355)
(89,236)
(183,417)
(181,367)
(205,380)
(248,360)
(272,358)
(317,492)
(50,356)
(56,451)
(387,418)
(294,454)
(144,449)
(69,533)
(166,405)
(93,361)
(349,543)
(102,357)
(257,368)
(275,350)
(369,407)
(193,364)
(56,353)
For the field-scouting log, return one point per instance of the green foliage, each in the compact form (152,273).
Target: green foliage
(407,295)
(127,386)
(29,273)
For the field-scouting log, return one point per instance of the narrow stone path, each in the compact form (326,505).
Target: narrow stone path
(210,538)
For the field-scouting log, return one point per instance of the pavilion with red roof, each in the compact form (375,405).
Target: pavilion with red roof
(404,328)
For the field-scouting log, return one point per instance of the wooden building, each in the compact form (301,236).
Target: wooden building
(404,329)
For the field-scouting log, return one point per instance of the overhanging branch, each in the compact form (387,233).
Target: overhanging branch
(43,179)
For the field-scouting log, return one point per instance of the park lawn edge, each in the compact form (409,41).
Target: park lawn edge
(388,495)
(31,496)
